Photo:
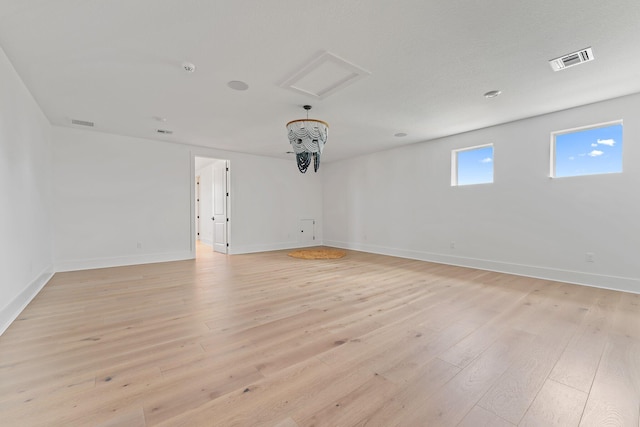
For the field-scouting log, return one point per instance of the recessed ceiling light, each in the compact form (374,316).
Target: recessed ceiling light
(188,67)
(492,93)
(238,85)
(159,119)
(400,135)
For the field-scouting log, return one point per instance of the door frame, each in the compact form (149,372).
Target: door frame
(192,198)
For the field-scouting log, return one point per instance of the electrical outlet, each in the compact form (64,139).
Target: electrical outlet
(452,245)
(589,257)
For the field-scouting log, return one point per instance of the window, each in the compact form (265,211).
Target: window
(588,150)
(473,165)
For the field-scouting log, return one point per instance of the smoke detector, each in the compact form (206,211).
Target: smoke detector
(575,58)
(188,67)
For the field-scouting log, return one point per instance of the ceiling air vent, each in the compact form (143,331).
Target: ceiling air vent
(81,123)
(575,58)
(165,131)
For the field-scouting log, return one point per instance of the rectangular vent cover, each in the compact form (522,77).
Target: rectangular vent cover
(575,58)
(81,123)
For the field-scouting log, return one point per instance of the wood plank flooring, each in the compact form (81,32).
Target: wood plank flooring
(268,340)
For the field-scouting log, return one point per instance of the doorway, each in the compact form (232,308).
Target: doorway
(211,210)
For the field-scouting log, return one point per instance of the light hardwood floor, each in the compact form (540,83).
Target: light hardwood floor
(268,340)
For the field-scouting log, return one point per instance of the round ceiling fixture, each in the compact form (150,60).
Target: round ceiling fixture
(188,67)
(238,85)
(400,135)
(492,93)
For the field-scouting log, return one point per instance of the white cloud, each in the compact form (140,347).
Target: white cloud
(594,145)
(595,153)
(486,160)
(572,158)
(609,142)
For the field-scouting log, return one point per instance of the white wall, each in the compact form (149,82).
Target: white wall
(400,202)
(26,260)
(118,200)
(268,197)
(114,191)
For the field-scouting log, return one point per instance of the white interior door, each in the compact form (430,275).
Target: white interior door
(220,197)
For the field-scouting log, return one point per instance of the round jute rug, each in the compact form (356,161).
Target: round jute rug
(317,254)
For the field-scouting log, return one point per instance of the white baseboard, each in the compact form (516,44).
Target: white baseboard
(89,264)
(248,249)
(11,311)
(625,284)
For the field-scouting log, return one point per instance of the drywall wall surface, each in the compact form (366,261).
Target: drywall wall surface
(122,200)
(401,202)
(118,200)
(26,254)
(269,197)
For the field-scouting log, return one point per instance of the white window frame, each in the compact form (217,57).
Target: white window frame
(552,157)
(454,164)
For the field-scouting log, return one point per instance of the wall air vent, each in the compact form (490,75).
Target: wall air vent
(575,58)
(81,123)
(165,131)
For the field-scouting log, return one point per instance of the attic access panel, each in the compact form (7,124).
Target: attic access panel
(324,75)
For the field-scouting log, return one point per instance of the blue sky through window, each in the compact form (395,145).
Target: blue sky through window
(589,152)
(475,166)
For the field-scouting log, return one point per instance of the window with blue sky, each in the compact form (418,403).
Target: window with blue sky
(587,151)
(472,165)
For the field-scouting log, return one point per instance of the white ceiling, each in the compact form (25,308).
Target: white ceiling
(118,63)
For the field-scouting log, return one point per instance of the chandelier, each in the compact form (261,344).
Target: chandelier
(307,137)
